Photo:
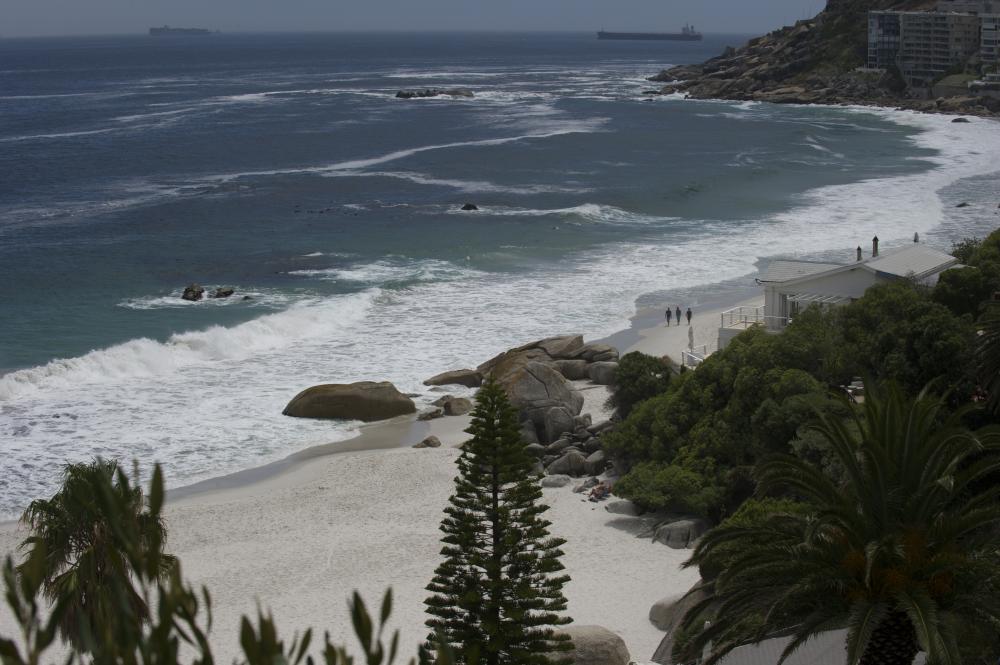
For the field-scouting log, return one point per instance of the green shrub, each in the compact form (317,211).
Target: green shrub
(897,332)
(638,377)
(666,487)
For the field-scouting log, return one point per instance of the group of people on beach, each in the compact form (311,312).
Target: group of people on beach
(677,311)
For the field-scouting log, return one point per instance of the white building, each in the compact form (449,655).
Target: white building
(923,45)
(990,50)
(792,286)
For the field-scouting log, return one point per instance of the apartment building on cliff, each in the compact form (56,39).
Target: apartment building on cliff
(990,53)
(923,45)
(989,17)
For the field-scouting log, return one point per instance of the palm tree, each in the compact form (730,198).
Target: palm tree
(901,553)
(89,533)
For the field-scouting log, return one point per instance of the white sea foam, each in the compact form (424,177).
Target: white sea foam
(156,114)
(585,212)
(580,127)
(391,270)
(146,357)
(471,186)
(55,135)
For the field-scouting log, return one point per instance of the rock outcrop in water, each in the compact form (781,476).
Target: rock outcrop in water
(812,62)
(193,292)
(366,400)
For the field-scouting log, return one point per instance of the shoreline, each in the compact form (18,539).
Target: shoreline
(298,535)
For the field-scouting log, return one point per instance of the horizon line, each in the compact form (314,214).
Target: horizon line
(304,31)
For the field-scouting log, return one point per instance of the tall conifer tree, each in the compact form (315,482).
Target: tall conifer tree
(498,594)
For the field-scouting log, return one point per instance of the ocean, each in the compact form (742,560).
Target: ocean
(284,167)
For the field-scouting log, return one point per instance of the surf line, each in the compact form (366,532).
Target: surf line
(353,165)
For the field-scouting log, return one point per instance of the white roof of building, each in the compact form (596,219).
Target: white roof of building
(916,260)
(782,271)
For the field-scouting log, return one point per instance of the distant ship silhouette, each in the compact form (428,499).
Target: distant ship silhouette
(167,30)
(687,34)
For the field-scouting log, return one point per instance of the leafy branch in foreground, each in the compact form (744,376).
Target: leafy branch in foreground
(176,624)
(91,535)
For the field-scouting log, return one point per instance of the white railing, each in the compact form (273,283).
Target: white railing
(695,356)
(748,317)
(742,317)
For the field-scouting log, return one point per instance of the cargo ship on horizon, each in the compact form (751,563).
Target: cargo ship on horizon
(167,30)
(687,34)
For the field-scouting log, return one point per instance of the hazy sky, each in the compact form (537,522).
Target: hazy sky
(54,17)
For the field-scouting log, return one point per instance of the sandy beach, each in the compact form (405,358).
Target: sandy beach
(298,536)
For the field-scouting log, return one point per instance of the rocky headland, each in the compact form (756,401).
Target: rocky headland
(816,61)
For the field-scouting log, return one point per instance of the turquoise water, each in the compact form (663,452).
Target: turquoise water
(283,166)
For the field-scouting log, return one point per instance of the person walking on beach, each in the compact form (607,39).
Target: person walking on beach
(678,312)
(688,315)
(668,317)
(690,338)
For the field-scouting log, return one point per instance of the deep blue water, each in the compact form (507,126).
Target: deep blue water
(283,166)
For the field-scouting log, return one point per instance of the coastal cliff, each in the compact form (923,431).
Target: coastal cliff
(815,61)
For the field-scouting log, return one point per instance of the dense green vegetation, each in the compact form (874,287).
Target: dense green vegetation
(498,593)
(904,552)
(966,290)
(884,517)
(638,377)
(692,447)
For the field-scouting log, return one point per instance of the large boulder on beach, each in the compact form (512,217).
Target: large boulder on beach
(430,413)
(667,613)
(560,347)
(430,442)
(528,432)
(680,534)
(596,463)
(596,645)
(574,370)
(535,450)
(367,401)
(571,464)
(594,353)
(535,378)
(458,406)
(602,373)
(556,481)
(469,378)
(541,395)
